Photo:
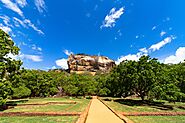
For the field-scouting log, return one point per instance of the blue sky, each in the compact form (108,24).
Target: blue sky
(48,31)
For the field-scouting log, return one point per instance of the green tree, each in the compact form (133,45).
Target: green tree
(148,71)
(8,66)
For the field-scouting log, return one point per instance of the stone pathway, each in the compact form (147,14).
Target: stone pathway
(99,113)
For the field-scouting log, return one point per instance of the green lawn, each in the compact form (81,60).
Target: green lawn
(78,107)
(136,105)
(44,100)
(44,119)
(157,119)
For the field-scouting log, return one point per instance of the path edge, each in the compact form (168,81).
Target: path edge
(123,118)
(83,116)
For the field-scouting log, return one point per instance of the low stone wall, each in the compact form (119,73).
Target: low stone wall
(84,114)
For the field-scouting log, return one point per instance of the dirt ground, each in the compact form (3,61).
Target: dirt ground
(99,113)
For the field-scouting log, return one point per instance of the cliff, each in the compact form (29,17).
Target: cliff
(84,63)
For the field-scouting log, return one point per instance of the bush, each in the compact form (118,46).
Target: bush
(21,92)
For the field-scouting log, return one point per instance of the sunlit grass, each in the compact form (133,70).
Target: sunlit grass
(157,119)
(158,106)
(80,105)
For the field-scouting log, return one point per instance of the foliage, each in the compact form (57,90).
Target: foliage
(144,78)
(148,78)
(21,92)
(8,67)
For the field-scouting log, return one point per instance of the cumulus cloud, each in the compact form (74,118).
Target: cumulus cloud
(21,3)
(145,51)
(62,63)
(67,52)
(111,18)
(12,6)
(41,6)
(133,57)
(177,58)
(161,44)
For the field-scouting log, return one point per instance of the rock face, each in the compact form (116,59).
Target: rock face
(84,63)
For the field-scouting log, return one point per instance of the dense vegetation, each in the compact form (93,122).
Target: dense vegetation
(146,78)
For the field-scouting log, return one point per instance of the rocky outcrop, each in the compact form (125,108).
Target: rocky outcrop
(84,63)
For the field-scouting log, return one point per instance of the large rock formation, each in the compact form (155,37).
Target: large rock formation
(84,63)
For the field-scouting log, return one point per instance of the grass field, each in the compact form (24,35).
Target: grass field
(157,119)
(44,119)
(78,107)
(135,105)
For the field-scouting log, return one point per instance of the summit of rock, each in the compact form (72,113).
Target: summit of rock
(81,63)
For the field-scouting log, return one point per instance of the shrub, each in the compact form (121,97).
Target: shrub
(21,92)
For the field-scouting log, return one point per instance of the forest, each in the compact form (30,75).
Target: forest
(146,78)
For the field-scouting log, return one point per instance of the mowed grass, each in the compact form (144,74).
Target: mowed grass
(44,119)
(157,119)
(78,107)
(135,105)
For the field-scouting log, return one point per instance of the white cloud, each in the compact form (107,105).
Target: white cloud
(133,57)
(21,3)
(62,63)
(12,6)
(5,28)
(19,22)
(111,18)
(34,47)
(41,6)
(67,52)
(162,33)
(6,20)
(177,58)
(39,48)
(25,23)
(145,51)
(159,45)
(34,58)
(30,24)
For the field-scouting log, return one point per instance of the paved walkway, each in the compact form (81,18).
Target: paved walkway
(99,113)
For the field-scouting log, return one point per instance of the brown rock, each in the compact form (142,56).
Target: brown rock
(86,63)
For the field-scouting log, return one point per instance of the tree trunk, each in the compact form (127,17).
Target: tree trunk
(142,97)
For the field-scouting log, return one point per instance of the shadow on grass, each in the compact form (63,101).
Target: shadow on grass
(15,102)
(152,104)
(11,104)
